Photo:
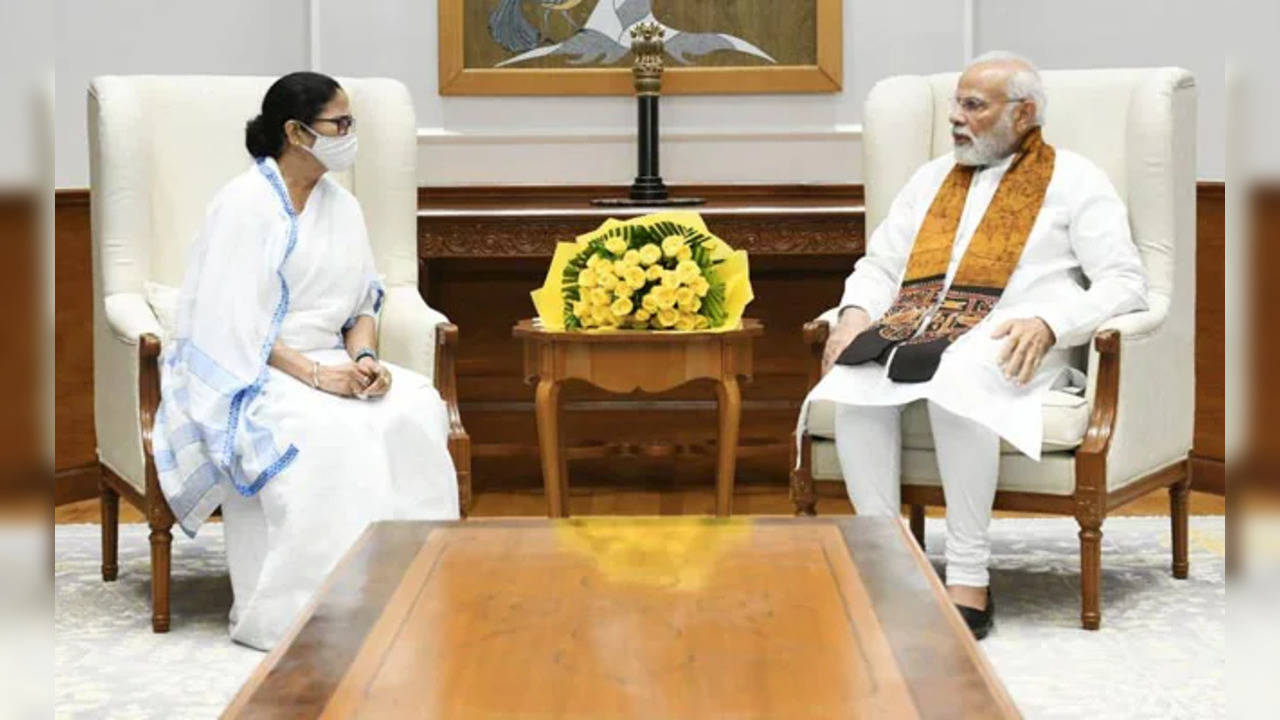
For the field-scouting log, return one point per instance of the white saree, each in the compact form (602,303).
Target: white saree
(298,472)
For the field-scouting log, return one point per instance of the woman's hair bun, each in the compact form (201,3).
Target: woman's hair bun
(255,139)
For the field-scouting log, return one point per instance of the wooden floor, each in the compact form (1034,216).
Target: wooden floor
(603,500)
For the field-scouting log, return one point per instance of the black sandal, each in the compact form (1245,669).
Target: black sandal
(980,622)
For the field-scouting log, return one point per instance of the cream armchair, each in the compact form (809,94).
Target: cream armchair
(160,147)
(1131,432)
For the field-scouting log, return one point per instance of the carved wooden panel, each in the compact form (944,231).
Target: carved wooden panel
(482,254)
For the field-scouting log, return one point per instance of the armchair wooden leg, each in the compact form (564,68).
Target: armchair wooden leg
(460,451)
(1178,493)
(109,500)
(803,495)
(161,544)
(917,524)
(1090,573)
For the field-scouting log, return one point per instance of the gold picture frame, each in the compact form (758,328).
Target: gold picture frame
(823,75)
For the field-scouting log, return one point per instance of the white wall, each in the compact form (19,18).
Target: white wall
(1124,33)
(121,37)
(26,57)
(473,140)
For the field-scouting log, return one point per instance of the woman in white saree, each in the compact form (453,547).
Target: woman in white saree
(274,402)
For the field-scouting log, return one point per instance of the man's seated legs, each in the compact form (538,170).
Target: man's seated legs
(968,456)
(869,447)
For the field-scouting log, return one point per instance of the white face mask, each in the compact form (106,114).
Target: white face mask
(336,153)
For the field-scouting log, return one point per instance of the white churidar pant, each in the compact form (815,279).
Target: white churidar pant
(869,447)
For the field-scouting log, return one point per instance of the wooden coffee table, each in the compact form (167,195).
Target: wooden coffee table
(630,618)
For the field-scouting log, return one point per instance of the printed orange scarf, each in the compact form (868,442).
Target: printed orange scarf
(990,258)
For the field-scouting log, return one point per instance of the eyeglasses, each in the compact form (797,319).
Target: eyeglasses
(973,105)
(344,123)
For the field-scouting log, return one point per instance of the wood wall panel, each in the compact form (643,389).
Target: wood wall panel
(479,262)
(484,251)
(74,443)
(23,364)
(1208,469)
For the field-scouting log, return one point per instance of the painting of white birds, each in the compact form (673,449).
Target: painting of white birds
(604,38)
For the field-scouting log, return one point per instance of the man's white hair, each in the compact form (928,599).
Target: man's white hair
(1024,83)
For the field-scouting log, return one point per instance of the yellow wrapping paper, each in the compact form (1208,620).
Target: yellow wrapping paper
(734,272)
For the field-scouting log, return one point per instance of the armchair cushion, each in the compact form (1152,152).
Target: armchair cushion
(1055,474)
(1066,415)
(163,300)
(128,317)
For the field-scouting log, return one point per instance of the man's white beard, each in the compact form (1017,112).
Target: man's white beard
(990,147)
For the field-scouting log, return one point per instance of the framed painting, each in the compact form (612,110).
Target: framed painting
(583,47)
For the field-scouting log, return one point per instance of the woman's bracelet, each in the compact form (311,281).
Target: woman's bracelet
(364,352)
(315,374)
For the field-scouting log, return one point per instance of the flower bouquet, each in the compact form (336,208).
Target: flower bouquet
(658,272)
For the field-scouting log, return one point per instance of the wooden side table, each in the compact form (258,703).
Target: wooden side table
(626,361)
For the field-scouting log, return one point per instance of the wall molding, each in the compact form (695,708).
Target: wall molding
(968,35)
(313,35)
(444,136)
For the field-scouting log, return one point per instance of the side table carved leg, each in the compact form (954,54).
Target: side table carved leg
(547,401)
(730,402)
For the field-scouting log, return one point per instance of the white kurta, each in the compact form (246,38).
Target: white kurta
(1079,267)
(356,461)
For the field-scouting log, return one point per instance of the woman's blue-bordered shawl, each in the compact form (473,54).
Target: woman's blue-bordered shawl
(207,435)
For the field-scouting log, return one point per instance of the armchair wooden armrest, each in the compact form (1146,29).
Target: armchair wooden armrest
(815,334)
(447,384)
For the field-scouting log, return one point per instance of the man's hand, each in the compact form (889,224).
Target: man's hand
(1029,340)
(851,323)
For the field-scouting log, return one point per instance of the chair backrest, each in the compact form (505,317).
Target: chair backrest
(1138,125)
(161,146)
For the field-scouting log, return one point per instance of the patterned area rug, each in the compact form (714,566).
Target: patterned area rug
(1161,652)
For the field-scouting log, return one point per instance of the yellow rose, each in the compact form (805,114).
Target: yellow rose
(650,301)
(692,305)
(701,322)
(700,286)
(670,279)
(587,278)
(642,315)
(606,279)
(668,318)
(666,298)
(654,272)
(623,290)
(615,245)
(684,295)
(600,297)
(684,253)
(650,254)
(632,257)
(671,245)
(601,314)
(581,309)
(686,322)
(688,271)
(621,307)
(591,261)
(635,277)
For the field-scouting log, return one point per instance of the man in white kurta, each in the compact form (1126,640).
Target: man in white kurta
(1078,268)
